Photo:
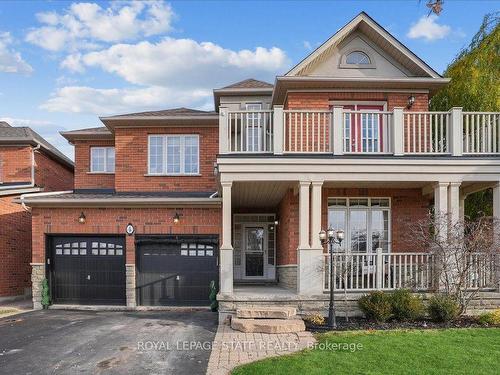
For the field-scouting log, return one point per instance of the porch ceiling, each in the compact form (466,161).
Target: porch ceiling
(262,194)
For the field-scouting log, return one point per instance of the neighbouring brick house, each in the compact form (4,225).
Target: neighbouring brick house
(28,164)
(167,201)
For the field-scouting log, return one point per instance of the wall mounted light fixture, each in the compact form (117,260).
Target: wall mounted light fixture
(82,219)
(411,101)
(177,218)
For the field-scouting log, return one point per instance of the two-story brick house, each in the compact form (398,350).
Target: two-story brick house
(167,201)
(28,164)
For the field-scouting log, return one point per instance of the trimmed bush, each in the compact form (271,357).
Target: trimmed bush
(490,318)
(443,308)
(376,306)
(406,306)
(315,319)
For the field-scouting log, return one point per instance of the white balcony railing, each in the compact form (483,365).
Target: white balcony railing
(250,131)
(340,131)
(388,271)
(481,132)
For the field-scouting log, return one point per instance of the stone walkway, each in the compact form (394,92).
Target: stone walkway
(233,348)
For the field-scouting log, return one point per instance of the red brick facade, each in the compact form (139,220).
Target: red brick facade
(83,178)
(15,221)
(15,164)
(114,221)
(15,248)
(407,206)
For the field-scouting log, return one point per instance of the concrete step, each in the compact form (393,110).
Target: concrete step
(268,325)
(265,312)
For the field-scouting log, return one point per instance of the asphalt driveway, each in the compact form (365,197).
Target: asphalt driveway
(69,342)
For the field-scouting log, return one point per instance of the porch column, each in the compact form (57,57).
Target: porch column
(496,228)
(441,227)
(462,206)
(441,207)
(309,259)
(453,203)
(226,249)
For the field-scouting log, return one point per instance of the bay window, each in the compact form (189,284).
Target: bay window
(173,154)
(365,221)
(102,159)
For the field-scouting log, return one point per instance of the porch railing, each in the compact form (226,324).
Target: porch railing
(340,131)
(388,271)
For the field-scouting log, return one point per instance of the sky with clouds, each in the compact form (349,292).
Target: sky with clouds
(63,63)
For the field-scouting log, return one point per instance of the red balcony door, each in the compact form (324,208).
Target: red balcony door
(364,132)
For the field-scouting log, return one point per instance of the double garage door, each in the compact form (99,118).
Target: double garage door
(170,270)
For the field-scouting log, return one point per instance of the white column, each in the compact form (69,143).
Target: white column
(462,206)
(226,249)
(496,229)
(337,136)
(223,131)
(304,214)
(453,203)
(316,214)
(278,129)
(456,131)
(441,206)
(397,131)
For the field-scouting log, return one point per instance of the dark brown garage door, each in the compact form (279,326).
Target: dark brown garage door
(176,270)
(87,270)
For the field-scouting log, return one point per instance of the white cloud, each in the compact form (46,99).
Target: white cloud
(428,29)
(10,60)
(307,45)
(182,63)
(86,25)
(83,99)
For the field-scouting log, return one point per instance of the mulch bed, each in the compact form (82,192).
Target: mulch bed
(355,324)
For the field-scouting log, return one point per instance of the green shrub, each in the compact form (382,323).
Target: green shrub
(490,318)
(376,306)
(443,308)
(406,306)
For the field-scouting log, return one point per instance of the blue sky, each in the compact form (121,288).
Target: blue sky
(63,63)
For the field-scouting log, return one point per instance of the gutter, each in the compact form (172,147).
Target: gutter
(24,196)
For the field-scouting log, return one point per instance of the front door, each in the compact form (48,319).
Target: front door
(365,131)
(255,250)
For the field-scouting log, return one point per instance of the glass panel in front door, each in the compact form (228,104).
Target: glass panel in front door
(254,251)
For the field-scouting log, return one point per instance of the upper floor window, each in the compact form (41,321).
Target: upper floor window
(102,159)
(174,154)
(357,58)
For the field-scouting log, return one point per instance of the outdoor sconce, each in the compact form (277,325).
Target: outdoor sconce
(177,218)
(411,101)
(82,218)
(216,169)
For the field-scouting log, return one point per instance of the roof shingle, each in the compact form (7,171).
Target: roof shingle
(250,83)
(182,111)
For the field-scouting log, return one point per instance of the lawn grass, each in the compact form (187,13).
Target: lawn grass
(446,351)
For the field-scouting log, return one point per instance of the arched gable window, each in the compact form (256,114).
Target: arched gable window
(357,58)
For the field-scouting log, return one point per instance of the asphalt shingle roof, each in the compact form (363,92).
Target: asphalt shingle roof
(168,112)
(9,134)
(249,84)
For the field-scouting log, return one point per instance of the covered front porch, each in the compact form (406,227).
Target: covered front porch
(280,226)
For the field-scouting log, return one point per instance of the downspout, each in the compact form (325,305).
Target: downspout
(36,148)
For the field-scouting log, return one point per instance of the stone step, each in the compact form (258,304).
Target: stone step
(268,325)
(264,312)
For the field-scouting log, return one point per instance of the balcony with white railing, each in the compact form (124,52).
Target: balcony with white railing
(347,132)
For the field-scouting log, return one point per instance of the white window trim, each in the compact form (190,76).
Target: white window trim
(347,243)
(105,171)
(343,60)
(164,155)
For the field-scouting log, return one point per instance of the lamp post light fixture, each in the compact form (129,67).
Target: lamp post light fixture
(331,237)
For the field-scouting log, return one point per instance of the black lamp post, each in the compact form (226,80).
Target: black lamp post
(331,237)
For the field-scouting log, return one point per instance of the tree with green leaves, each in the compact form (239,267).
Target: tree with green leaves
(475,86)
